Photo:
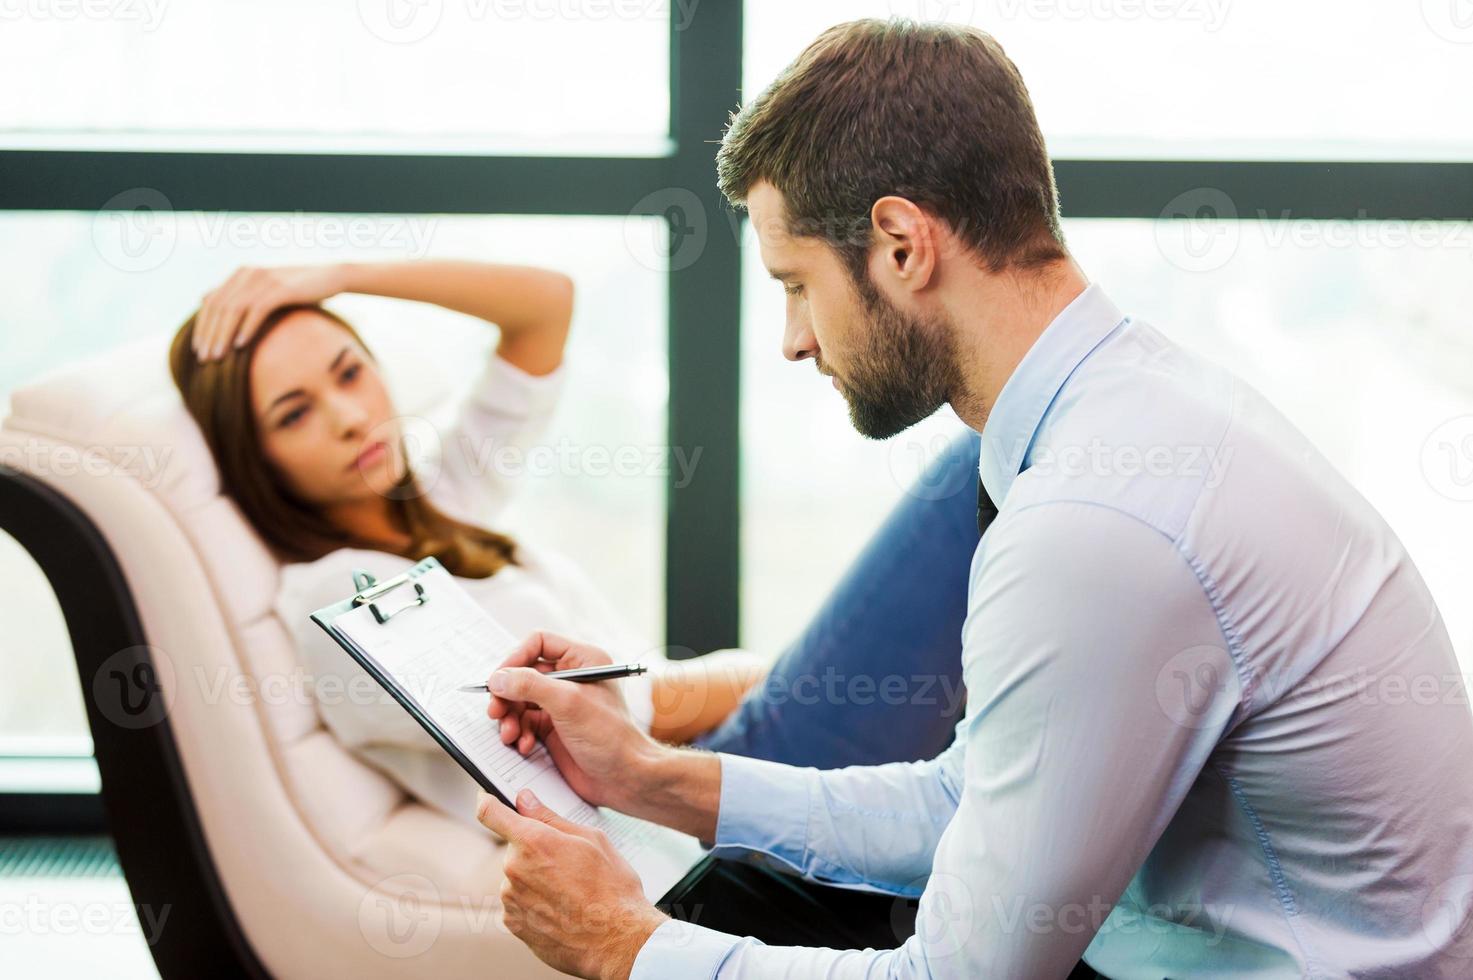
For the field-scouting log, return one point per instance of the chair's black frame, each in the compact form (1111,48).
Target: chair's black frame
(149,809)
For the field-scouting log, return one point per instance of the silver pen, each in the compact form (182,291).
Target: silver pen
(578,675)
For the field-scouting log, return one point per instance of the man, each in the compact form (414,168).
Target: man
(1214,725)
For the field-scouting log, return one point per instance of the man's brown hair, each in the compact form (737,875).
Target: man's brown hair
(933,113)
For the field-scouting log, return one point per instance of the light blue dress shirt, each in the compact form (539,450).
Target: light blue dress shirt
(1215,726)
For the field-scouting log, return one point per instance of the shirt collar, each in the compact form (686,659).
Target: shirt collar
(1013,422)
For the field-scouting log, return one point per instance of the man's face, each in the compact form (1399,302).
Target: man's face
(893,367)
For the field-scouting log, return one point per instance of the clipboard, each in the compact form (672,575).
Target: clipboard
(424,617)
(383,608)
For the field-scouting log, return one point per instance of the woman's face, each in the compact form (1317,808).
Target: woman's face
(324,416)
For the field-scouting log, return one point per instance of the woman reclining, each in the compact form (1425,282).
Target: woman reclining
(310,447)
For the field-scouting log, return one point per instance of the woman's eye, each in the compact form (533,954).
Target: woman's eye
(793,289)
(351,373)
(291,418)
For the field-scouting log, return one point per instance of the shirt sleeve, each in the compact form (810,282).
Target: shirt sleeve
(485,450)
(873,827)
(1077,749)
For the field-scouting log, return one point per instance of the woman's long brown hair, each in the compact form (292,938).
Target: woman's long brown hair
(217,394)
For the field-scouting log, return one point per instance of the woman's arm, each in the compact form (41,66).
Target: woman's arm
(691,697)
(533,307)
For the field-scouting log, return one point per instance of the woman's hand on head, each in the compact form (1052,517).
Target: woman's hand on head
(231,314)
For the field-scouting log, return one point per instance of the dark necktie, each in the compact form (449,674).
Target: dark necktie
(986,509)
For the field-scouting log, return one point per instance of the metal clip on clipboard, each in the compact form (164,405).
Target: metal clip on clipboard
(370,590)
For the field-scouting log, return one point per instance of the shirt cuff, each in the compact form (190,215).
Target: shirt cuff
(764,807)
(681,951)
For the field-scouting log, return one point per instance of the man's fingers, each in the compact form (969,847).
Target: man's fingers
(537,646)
(517,824)
(510,729)
(523,730)
(545,651)
(526,684)
(499,818)
(530,807)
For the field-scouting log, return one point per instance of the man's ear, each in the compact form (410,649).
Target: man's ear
(906,249)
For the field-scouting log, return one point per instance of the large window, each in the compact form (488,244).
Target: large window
(1184,130)
(41,711)
(1285,187)
(537,75)
(148,149)
(1358,332)
(77,292)
(1215,79)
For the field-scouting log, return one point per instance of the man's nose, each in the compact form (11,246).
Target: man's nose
(799,344)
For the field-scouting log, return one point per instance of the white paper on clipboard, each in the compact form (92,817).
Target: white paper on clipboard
(427,651)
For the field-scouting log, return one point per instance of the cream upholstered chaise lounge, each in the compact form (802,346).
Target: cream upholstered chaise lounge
(275,851)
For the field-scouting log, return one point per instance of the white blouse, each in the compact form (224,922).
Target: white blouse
(546,590)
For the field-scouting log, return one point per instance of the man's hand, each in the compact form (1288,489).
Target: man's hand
(586,727)
(594,742)
(568,894)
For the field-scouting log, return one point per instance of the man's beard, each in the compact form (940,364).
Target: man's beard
(903,371)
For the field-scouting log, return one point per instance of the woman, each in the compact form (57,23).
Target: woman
(309,445)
